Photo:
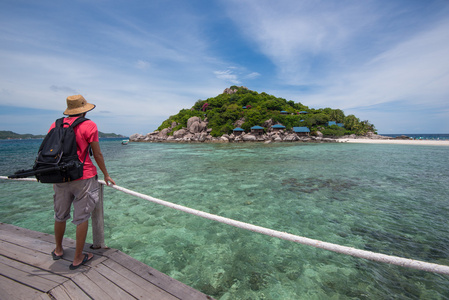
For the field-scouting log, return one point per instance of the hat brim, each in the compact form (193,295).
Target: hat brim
(76,111)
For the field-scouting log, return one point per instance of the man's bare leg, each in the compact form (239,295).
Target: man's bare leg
(59,235)
(81,233)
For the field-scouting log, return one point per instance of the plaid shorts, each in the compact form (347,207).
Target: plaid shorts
(84,195)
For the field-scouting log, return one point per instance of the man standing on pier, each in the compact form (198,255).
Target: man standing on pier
(84,192)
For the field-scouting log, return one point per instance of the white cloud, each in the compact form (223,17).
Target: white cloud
(252,75)
(142,65)
(302,38)
(415,70)
(227,75)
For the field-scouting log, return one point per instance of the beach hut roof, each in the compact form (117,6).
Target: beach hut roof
(238,129)
(330,123)
(284,112)
(303,112)
(301,129)
(278,126)
(257,127)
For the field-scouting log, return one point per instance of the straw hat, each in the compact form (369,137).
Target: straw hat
(76,104)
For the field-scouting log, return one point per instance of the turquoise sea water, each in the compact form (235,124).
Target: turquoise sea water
(391,199)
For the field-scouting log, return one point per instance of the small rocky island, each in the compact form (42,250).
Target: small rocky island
(242,115)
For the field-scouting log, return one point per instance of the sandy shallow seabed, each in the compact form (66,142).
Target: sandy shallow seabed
(399,142)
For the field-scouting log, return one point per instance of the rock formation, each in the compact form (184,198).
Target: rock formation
(232,91)
(197,131)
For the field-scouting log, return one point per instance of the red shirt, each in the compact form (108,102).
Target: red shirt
(86,133)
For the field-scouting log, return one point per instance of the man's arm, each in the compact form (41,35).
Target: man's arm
(100,162)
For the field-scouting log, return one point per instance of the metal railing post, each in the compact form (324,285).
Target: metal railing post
(98,222)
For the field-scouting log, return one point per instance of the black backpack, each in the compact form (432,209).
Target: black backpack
(57,160)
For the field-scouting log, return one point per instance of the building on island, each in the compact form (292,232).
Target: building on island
(238,131)
(277,127)
(301,131)
(257,130)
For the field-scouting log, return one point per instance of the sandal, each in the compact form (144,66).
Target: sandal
(85,260)
(56,257)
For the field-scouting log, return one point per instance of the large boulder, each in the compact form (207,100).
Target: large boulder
(179,133)
(195,125)
(136,137)
(202,126)
(192,120)
(277,138)
(291,138)
(268,123)
(202,136)
(188,137)
(249,138)
(164,132)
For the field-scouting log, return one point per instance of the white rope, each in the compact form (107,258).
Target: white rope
(18,179)
(400,261)
(404,262)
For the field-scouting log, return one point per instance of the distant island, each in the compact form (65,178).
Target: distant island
(109,135)
(9,135)
(239,114)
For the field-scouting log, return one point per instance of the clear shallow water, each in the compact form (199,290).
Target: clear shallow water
(391,199)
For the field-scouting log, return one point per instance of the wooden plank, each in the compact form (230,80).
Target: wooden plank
(35,258)
(133,284)
(43,242)
(36,282)
(92,289)
(44,260)
(165,282)
(32,271)
(59,293)
(26,241)
(11,290)
(44,297)
(31,233)
(107,286)
(68,291)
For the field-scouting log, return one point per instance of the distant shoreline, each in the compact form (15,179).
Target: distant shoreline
(9,135)
(395,141)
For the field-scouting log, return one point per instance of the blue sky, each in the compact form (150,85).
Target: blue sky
(142,61)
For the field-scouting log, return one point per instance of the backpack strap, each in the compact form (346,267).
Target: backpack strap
(59,122)
(78,121)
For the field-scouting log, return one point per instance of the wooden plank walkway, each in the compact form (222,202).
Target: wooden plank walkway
(27,271)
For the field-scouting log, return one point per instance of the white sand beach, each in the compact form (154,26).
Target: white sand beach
(398,141)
